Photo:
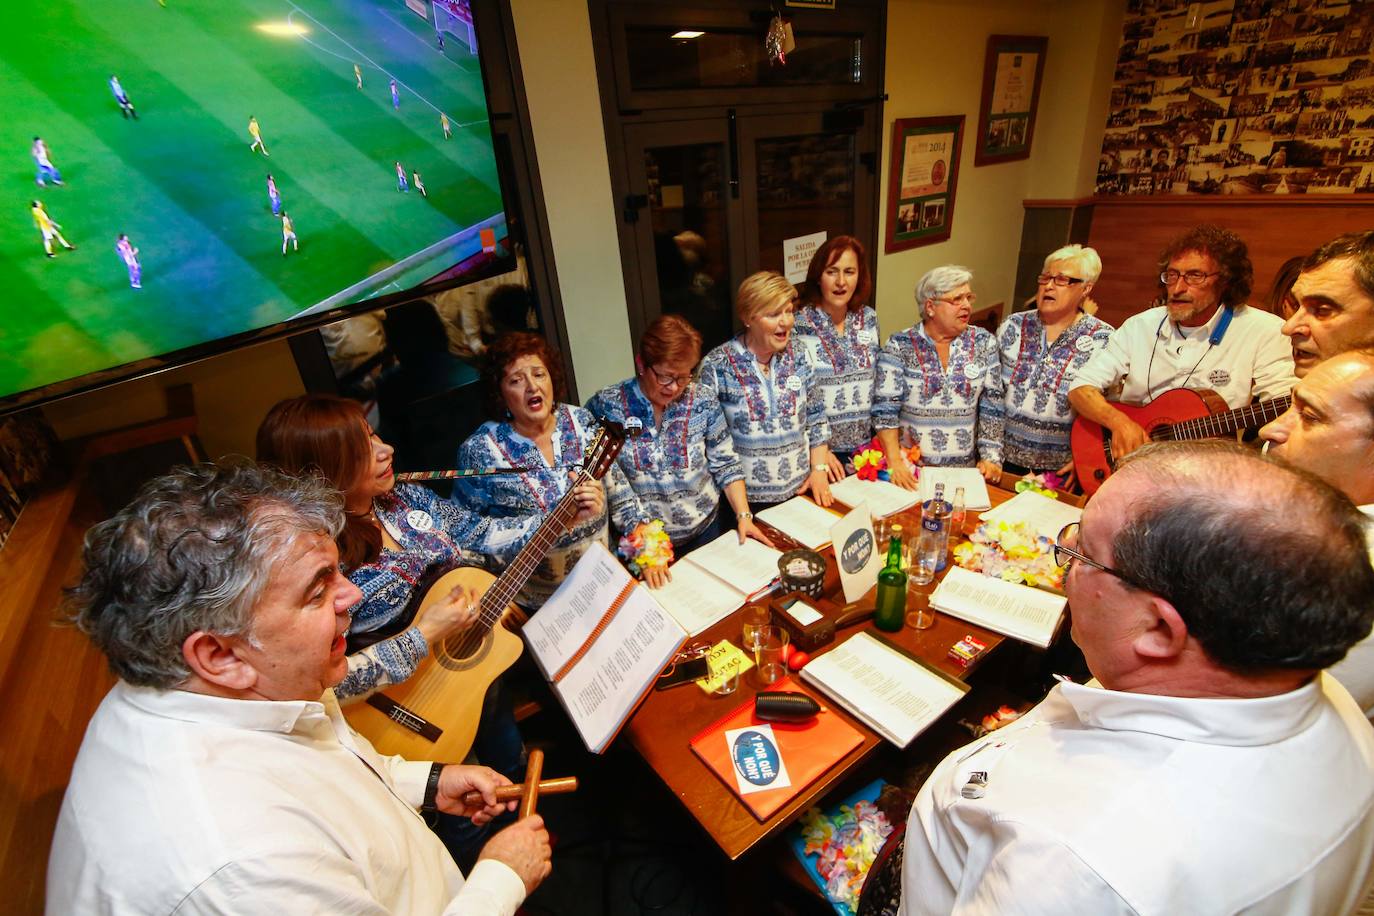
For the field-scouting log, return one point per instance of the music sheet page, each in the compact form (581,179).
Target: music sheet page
(746,567)
(892,693)
(976,497)
(562,625)
(1019,611)
(695,598)
(1045,516)
(883,498)
(802,520)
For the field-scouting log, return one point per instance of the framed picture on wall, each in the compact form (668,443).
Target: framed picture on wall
(925,169)
(1011,95)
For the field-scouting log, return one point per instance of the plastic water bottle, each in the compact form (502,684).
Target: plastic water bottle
(890,608)
(933,546)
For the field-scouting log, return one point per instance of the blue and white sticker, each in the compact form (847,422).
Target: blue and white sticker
(756,758)
(419,519)
(633,423)
(973,370)
(1083,344)
(794,383)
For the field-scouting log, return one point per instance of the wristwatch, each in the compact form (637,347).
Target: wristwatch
(428,806)
(744,515)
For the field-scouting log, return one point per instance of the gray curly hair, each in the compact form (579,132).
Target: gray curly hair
(939,281)
(194,550)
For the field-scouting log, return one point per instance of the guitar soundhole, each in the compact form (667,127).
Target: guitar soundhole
(460,652)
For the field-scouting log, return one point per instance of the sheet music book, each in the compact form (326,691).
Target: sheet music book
(802,520)
(601,640)
(1045,516)
(744,761)
(894,694)
(716,579)
(976,497)
(1019,611)
(883,497)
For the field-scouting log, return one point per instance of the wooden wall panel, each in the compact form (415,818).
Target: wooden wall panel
(1129,234)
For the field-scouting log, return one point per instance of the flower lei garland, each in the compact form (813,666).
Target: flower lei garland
(847,844)
(1011,552)
(1046,484)
(870,462)
(647,545)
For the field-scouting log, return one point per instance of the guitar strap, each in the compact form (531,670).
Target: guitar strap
(1218,333)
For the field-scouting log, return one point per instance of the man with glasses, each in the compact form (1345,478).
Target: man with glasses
(939,384)
(1040,351)
(1335,296)
(1329,431)
(1212,767)
(1202,335)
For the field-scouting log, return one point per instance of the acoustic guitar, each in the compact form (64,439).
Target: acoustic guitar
(1181,413)
(433,714)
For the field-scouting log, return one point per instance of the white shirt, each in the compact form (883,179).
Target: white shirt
(185,803)
(1356,670)
(1253,358)
(1102,802)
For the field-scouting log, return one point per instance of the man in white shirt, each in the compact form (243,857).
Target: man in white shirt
(1335,296)
(1203,335)
(219,775)
(1212,767)
(1329,431)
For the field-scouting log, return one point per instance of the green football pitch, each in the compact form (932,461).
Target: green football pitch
(182,183)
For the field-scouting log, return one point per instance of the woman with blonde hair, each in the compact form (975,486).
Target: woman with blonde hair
(771,397)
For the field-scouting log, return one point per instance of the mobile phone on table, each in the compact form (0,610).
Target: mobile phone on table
(682,673)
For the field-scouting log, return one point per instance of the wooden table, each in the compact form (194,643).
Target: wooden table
(662,727)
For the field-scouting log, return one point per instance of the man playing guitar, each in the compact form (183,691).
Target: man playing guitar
(1202,336)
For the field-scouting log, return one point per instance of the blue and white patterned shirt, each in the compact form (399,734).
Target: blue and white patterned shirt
(953,412)
(675,472)
(1038,374)
(432,533)
(774,419)
(846,362)
(536,492)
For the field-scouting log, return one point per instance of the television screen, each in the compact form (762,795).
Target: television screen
(182,176)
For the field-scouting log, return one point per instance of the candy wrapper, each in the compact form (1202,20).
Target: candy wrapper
(846,843)
(647,545)
(1013,553)
(1046,484)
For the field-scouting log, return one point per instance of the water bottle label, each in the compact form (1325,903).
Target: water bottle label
(932,525)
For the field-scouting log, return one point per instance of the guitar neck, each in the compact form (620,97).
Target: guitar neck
(1229,421)
(503,591)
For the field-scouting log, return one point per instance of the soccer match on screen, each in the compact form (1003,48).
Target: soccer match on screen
(179,171)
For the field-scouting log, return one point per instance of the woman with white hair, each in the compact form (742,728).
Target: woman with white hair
(1042,349)
(771,397)
(940,384)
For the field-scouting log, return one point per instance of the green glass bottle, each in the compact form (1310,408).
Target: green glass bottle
(891,604)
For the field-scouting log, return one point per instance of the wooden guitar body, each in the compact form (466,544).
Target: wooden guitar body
(1092,443)
(446,689)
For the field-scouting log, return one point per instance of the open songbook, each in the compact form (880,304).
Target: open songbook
(802,520)
(713,581)
(1019,611)
(883,498)
(601,639)
(889,691)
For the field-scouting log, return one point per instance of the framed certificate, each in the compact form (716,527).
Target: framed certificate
(1011,94)
(925,169)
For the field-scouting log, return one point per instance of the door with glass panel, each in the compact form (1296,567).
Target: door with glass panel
(684,228)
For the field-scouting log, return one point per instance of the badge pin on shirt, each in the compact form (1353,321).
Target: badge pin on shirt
(419,520)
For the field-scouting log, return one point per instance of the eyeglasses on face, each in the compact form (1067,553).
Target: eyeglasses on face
(965,298)
(1059,280)
(668,381)
(1191,277)
(1065,552)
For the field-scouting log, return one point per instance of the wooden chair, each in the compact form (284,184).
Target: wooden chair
(882,891)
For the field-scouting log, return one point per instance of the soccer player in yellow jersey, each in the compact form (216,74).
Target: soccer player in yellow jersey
(443,122)
(256,133)
(358,75)
(50,228)
(288,234)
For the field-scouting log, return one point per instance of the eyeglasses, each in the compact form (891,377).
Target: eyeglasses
(1059,280)
(1064,554)
(1191,277)
(680,381)
(969,298)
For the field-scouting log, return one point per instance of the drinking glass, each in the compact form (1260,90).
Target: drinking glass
(755,617)
(769,643)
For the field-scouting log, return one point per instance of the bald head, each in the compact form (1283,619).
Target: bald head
(1265,563)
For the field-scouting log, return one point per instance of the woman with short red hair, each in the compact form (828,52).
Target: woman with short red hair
(683,457)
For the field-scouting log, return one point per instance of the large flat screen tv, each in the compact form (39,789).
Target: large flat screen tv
(348,101)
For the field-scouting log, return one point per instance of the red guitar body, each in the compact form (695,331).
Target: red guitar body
(1092,443)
